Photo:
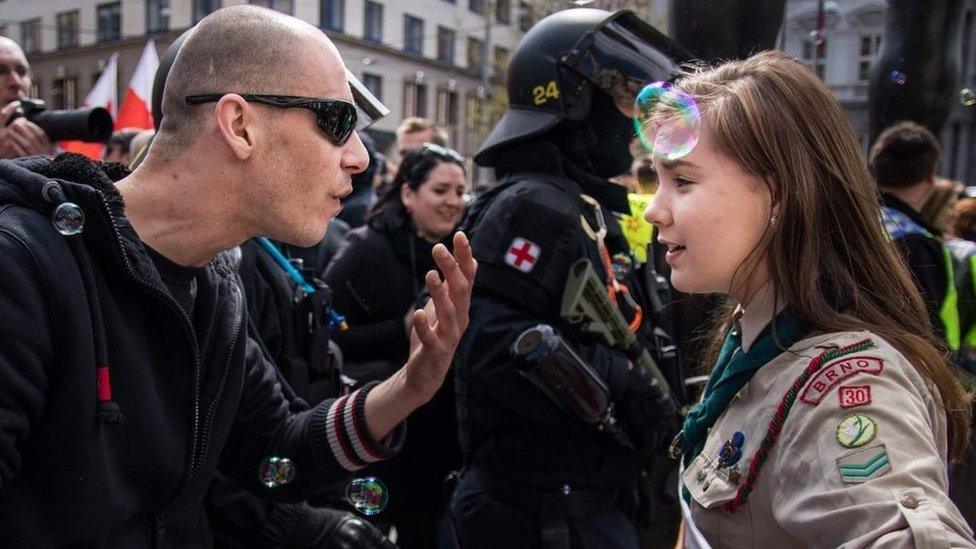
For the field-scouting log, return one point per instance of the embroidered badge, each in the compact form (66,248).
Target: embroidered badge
(522,254)
(835,372)
(864,464)
(851,396)
(856,430)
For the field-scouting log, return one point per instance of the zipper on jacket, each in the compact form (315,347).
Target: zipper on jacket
(212,408)
(190,332)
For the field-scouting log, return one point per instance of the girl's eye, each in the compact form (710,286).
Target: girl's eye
(681,182)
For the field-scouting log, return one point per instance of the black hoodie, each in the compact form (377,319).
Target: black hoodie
(115,406)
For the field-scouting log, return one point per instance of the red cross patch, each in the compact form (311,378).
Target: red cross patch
(522,254)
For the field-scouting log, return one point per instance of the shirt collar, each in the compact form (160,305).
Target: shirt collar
(750,321)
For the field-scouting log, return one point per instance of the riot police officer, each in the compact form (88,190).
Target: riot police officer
(534,474)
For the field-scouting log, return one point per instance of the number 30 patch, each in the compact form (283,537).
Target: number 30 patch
(854,395)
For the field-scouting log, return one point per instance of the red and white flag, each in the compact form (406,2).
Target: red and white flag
(102,94)
(136,110)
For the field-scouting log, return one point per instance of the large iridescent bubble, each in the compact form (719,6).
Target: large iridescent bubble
(667,121)
(368,495)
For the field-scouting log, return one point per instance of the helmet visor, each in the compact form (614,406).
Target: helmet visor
(624,54)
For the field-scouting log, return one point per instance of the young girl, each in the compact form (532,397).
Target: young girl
(830,412)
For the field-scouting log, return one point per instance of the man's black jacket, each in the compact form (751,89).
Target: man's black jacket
(192,392)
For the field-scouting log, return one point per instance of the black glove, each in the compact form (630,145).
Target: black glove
(648,412)
(324,528)
(356,533)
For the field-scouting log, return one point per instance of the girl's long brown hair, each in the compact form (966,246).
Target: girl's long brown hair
(829,258)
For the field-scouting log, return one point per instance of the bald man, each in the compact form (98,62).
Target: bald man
(128,373)
(20,137)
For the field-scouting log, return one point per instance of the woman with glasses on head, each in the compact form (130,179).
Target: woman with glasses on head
(831,412)
(377,277)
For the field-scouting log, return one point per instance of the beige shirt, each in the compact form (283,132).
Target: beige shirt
(860,460)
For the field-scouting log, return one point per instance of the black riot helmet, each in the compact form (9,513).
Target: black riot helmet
(553,71)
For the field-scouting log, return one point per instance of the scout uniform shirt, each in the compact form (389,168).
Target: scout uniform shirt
(836,442)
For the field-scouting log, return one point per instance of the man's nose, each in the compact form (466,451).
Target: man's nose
(355,159)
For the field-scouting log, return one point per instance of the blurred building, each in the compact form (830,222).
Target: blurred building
(853,34)
(420,57)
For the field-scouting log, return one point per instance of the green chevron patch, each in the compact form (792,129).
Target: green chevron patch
(864,465)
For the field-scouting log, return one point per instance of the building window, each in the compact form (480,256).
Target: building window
(503,11)
(374,83)
(476,54)
(203,8)
(413,32)
(157,15)
(3,30)
(446,39)
(64,93)
(414,99)
(35,89)
(525,20)
(500,63)
(30,36)
(447,108)
(472,117)
(373,26)
(109,21)
(332,14)
(67,29)
(870,46)
(284,6)
(809,49)
(477,6)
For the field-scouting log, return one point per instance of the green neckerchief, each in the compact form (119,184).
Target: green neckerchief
(733,369)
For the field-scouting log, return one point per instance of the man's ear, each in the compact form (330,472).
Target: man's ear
(235,125)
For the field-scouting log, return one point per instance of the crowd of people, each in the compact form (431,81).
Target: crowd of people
(208,333)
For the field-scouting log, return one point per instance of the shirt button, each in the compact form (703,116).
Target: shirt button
(909,502)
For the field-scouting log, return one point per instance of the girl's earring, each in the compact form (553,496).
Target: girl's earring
(772,220)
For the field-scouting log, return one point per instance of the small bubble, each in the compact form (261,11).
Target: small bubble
(967,97)
(898,77)
(68,218)
(667,120)
(275,472)
(367,495)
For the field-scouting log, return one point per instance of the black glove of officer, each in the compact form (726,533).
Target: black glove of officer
(648,412)
(331,529)
(356,533)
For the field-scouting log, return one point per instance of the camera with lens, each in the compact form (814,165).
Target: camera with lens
(92,124)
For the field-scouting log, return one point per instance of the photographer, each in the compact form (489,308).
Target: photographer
(21,137)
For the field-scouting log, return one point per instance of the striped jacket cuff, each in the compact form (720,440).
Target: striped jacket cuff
(349,438)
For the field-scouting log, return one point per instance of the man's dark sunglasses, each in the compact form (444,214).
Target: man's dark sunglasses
(337,118)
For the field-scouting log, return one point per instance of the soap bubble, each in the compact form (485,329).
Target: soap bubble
(367,495)
(967,97)
(898,77)
(275,472)
(68,218)
(667,120)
